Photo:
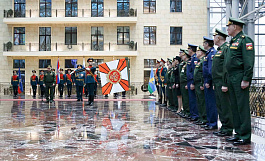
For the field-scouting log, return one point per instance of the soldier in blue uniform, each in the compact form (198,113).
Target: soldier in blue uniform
(162,82)
(90,80)
(69,82)
(14,83)
(190,82)
(34,82)
(61,83)
(79,81)
(42,88)
(210,101)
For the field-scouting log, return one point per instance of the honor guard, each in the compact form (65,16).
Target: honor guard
(96,84)
(157,80)
(199,86)
(171,105)
(162,82)
(219,75)
(53,70)
(239,64)
(49,82)
(34,82)
(79,82)
(175,80)
(208,85)
(90,80)
(69,82)
(61,83)
(42,88)
(14,83)
(191,88)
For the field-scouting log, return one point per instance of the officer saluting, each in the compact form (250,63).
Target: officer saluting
(90,81)
(239,64)
(49,83)
(15,82)
(34,82)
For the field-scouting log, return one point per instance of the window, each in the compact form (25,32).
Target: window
(19,35)
(71,8)
(123,7)
(97,8)
(146,76)
(97,38)
(123,35)
(175,35)
(19,8)
(43,63)
(149,63)
(45,8)
(175,5)
(149,35)
(70,35)
(45,39)
(98,61)
(19,63)
(70,63)
(149,6)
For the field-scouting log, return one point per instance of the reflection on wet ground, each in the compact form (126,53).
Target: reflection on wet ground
(112,130)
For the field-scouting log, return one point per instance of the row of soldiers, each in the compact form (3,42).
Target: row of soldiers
(207,82)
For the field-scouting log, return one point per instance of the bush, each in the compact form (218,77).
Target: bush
(131,44)
(10,13)
(9,45)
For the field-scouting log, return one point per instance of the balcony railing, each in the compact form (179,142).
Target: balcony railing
(34,47)
(257,97)
(34,13)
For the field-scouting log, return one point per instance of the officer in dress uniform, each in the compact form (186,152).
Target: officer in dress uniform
(79,81)
(96,84)
(157,81)
(175,80)
(34,82)
(162,82)
(199,86)
(211,109)
(42,88)
(168,94)
(49,83)
(14,83)
(191,88)
(90,80)
(69,82)
(219,74)
(62,82)
(239,63)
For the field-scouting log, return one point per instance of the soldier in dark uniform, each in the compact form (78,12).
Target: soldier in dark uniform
(239,63)
(162,82)
(79,82)
(199,87)
(191,88)
(42,88)
(219,74)
(14,83)
(34,82)
(49,82)
(69,82)
(90,80)
(171,105)
(175,80)
(211,109)
(61,84)
(96,84)
(157,81)
(53,70)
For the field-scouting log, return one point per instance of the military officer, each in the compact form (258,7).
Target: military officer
(14,83)
(158,67)
(219,75)
(34,82)
(42,88)
(199,86)
(61,83)
(90,80)
(168,94)
(96,85)
(211,109)
(79,81)
(49,83)
(69,82)
(191,88)
(239,63)
(175,81)
(183,84)
(53,70)
(162,82)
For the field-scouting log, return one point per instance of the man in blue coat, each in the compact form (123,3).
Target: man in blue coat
(194,114)
(210,101)
(79,81)
(90,81)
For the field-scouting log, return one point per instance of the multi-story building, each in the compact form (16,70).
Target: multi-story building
(41,31)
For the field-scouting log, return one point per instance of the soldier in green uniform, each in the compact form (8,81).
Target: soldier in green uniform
(168,86)
(49,83)
(53,70)
(199,87)
(183,85)
(239,64)
(219,75)
(176,93)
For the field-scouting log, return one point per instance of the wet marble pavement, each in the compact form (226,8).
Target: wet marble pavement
(112,130)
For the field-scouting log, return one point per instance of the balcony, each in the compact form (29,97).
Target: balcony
(58,16)
(81,49)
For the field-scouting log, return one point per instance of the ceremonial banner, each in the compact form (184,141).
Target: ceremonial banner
(151,84)
(114,76)
(58,72)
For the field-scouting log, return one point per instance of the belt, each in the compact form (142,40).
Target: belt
(61,79)
(33,80)
(15,80)
(80,79)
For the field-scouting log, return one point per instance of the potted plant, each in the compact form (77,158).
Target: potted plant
(131,44)
(121,13)
(9,45)
(131,12)
(10,13)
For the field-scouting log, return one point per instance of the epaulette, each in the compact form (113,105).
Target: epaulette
(243,36)
(227,44)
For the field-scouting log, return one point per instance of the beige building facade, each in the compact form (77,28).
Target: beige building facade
(101,29)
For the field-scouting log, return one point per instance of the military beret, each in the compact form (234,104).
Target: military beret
(49,66)
(219,32)
(235,21)
(90,60)
(162,60)
(79,65)
(207,39)
(201,48)
(33,71)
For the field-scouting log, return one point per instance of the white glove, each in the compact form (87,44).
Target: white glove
(244,84)
(87,68)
